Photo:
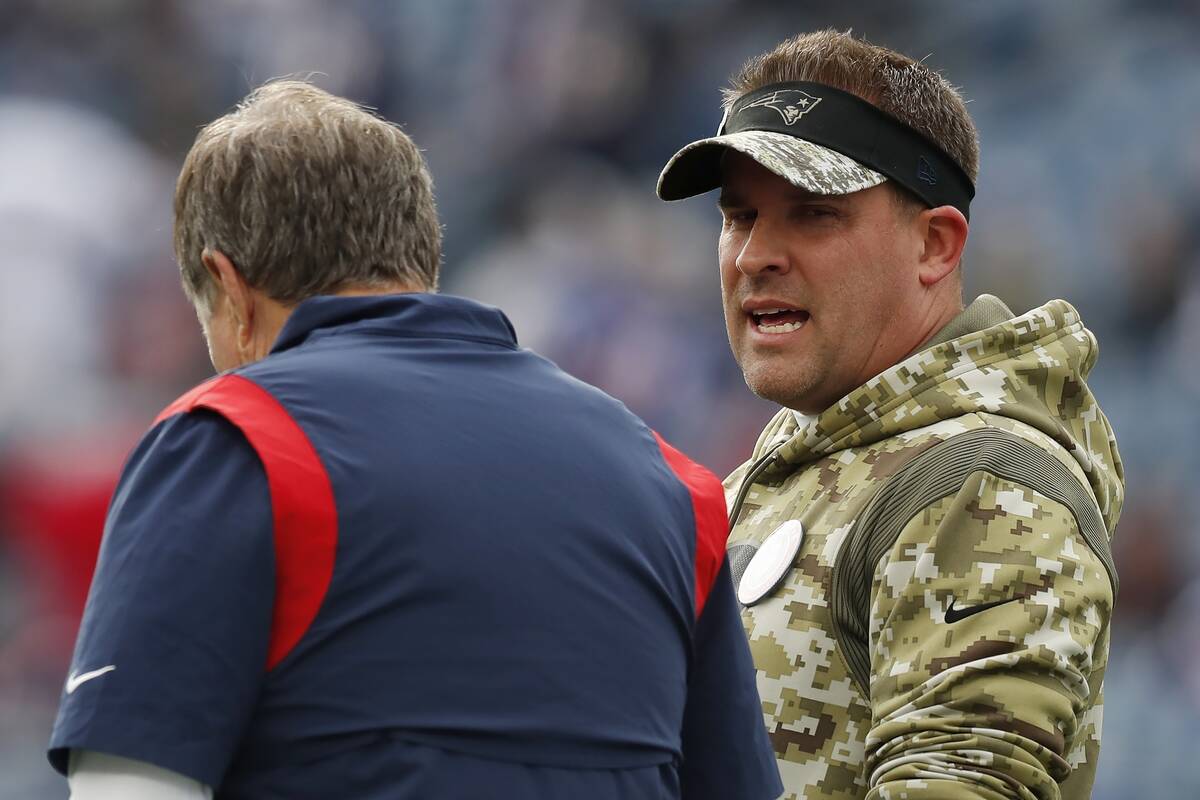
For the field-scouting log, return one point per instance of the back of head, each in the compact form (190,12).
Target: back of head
(891,81)
(307,194)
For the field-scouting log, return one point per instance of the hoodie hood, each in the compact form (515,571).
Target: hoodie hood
(1031,368)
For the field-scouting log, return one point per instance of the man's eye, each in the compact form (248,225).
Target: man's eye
(818,211)
(738,217)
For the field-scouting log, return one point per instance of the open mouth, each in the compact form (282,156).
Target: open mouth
(779,320)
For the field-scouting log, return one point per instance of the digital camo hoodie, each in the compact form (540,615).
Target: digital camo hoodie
(941,628)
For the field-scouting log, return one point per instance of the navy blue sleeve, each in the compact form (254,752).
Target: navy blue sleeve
(726,752)
(171,652)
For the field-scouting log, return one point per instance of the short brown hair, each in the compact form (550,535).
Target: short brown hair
(306,193)
(894,83)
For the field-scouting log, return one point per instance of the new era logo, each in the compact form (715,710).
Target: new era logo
(926,172)
(792,104)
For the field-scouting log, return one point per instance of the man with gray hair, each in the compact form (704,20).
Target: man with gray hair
(386,552)
(921,535)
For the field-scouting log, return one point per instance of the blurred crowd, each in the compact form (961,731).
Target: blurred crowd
(545,123)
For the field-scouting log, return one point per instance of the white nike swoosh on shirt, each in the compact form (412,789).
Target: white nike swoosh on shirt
(77,680)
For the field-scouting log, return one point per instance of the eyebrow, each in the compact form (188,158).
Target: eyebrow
(731,199)
(728,199)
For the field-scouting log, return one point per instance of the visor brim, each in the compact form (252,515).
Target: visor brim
(696,168)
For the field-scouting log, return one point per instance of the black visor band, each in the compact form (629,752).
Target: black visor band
(853,127)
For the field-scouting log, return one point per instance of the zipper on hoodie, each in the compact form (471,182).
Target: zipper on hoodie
(748,481)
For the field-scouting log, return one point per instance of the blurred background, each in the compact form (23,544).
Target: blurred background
(545,125)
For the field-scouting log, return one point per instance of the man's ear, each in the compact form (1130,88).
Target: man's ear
(235,289)
(944,231)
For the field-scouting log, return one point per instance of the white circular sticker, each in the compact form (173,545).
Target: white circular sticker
(771,562)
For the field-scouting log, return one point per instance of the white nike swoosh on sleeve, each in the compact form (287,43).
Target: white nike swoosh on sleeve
(78,679)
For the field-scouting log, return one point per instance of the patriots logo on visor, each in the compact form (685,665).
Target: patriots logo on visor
(792,104)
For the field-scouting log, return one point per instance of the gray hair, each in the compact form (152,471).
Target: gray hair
(306,193)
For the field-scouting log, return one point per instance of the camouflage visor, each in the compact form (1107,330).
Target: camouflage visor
(823,140)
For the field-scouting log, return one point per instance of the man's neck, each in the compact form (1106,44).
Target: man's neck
(983,312)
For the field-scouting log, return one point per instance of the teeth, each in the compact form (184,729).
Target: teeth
(786,327)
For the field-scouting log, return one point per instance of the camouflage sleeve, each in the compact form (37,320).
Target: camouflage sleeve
(988,642)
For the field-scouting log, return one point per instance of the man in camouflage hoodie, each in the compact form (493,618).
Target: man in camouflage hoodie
(921,535)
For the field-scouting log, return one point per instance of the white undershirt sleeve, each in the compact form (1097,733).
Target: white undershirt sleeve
(100,776)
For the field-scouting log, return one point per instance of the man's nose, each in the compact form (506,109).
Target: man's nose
(762,251)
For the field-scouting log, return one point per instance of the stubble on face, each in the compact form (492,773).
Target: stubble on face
(837,259)
(834,348)
(811,377)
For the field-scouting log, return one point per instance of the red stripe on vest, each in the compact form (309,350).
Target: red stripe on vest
(708,507)
(302,505)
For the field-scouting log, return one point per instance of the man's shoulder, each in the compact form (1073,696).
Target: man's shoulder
(981,438)
(898,474)
(239,400)
(942,456)
(1037,439)
(879,461)
(188,429)
(1035,481)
